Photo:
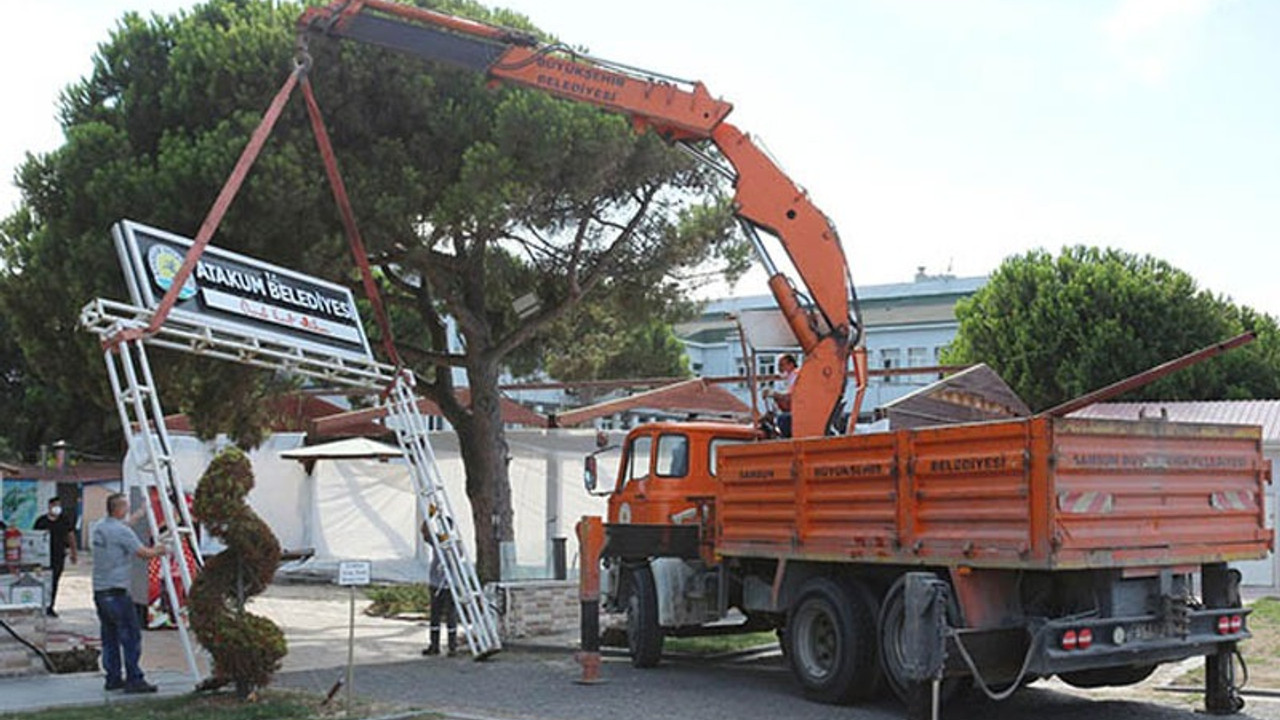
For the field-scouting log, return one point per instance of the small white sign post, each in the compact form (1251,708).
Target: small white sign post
(353,573)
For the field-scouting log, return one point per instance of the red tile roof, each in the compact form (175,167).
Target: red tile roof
(289,413)
(364,423)
(695,397)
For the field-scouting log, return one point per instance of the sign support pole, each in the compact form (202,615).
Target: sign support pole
(351,647)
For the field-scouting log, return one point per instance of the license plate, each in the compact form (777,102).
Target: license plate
(1145,631)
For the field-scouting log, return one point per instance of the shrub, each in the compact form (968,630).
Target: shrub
(246,648)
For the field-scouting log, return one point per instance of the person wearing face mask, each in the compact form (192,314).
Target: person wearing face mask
(62,542)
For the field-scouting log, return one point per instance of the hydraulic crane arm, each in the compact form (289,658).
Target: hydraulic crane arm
(683,112)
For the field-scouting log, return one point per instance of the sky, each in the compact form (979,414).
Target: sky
(943,134)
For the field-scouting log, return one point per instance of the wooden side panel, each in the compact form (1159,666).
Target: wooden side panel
(1156,490)
(972,492)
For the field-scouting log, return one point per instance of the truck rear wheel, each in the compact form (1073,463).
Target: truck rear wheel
(644,636)
(1108,677)
(893,658)
(830,640)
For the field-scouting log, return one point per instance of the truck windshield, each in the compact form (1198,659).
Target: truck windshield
(673,456)
(638,458)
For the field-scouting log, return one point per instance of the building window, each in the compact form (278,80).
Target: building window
(766,365)
(890,359)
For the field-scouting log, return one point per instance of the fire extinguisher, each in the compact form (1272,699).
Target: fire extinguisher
(12,547)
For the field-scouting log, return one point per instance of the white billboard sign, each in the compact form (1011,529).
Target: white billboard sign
(240,294)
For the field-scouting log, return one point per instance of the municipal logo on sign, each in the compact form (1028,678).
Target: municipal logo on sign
(164,263)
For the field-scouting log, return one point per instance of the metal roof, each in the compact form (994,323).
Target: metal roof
(971,395)
(1265,413)
(921,288)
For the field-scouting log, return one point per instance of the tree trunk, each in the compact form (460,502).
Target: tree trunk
(482,440)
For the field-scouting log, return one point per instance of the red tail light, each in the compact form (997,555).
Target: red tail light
(1224,625)
(1237,623)
(1084,639)
(1070,640)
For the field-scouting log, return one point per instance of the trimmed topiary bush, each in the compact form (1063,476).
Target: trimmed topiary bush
(246,648)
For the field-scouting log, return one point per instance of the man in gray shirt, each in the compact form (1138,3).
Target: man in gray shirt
(114,547)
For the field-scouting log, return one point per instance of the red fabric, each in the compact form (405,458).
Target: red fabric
(339,189)
(158,614)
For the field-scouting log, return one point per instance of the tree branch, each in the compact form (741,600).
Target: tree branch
(577,286)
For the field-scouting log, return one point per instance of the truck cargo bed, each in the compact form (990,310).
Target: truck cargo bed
(1040,493)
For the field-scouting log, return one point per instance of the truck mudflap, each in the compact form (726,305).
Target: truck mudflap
(1091,643)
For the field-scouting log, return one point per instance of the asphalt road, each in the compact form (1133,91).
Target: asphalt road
(539,686)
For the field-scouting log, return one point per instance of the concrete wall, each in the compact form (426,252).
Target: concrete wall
(531,609)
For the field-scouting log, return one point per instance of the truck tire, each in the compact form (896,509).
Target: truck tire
(830,639)
(644,636)
(1108,677)
(892,654)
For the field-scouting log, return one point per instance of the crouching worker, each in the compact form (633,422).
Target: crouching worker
(442,608)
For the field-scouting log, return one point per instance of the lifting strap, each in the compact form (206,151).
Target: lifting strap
(220,205)
(349,221)
(228,194)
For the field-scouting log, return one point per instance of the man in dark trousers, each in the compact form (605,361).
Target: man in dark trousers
(62,542)
(114,547)
(442,608)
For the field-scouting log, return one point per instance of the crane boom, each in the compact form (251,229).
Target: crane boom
(826,328)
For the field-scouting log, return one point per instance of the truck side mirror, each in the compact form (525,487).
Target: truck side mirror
(589,471)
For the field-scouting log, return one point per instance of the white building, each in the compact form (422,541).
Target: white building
(907,325)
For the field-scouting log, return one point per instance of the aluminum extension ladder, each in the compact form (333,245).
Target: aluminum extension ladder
(138,403)
(139,406)
(477,617)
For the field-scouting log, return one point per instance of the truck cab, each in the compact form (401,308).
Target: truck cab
(667,474)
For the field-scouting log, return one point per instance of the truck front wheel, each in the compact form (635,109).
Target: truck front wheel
(644,636)
(830,640)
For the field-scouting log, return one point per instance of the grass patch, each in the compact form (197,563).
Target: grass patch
(717,644)
(392,600)
(1261,652)
(271,705)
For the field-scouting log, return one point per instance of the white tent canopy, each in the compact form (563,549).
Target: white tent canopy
(353,499)
(346,449)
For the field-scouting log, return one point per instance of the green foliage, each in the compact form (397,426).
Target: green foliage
(392,600)
(718,644)
(1055,328)
(246,648)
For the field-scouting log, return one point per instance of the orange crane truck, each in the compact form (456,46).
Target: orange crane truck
(917,559)
(1001,552)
